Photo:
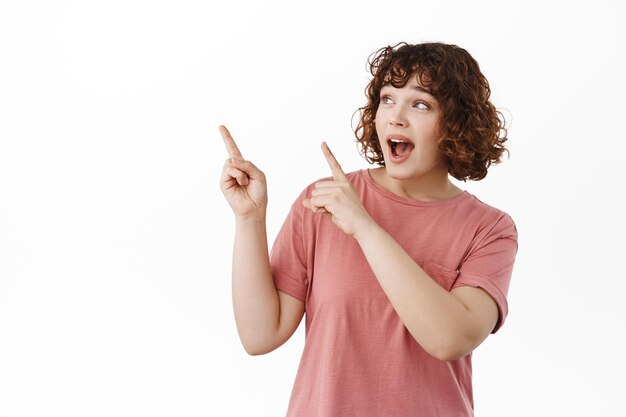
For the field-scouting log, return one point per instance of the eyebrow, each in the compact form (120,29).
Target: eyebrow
(416,88)
(422,89)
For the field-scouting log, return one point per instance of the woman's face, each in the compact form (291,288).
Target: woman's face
(410,114)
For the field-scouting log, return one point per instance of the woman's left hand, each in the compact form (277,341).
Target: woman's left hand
(339,199)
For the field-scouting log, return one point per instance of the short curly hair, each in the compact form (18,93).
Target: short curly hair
(472,134)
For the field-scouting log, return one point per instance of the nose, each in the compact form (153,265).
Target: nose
(397,118)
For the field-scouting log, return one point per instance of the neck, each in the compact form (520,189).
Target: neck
(433,185)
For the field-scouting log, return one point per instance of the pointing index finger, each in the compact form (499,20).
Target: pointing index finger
(231,146)
(335,168)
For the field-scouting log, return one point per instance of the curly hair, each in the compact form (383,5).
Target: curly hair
(472,135)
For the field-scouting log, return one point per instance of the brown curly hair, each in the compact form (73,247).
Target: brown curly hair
(472,135)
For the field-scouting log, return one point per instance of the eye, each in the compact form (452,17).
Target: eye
(383,98)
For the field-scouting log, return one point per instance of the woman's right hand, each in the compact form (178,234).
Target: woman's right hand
(243,184)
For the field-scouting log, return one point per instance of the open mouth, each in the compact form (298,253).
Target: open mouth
(400,148)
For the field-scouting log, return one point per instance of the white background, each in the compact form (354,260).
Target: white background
(116,241)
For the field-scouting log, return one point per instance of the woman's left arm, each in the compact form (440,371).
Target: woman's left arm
(448,325)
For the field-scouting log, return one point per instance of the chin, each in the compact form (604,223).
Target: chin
(399,172)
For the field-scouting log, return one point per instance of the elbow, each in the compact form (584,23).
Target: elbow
(253,351)
(253,345)
(250,351)
(257,350)
(451,351)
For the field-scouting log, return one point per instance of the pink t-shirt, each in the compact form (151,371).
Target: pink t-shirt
(359,359)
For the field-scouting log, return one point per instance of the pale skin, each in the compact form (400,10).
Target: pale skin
(265,316)
(448,325)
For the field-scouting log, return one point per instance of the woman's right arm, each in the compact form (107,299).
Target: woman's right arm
(265,317)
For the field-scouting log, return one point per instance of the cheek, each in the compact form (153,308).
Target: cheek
(434,152)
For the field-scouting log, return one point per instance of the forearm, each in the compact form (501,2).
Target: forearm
(433,316)
(255,300)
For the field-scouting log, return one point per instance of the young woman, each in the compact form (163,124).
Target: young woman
(401,273)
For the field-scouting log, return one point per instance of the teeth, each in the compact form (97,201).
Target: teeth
(397,141)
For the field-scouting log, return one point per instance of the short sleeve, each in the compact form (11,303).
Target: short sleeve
(490,264)
(288,256)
